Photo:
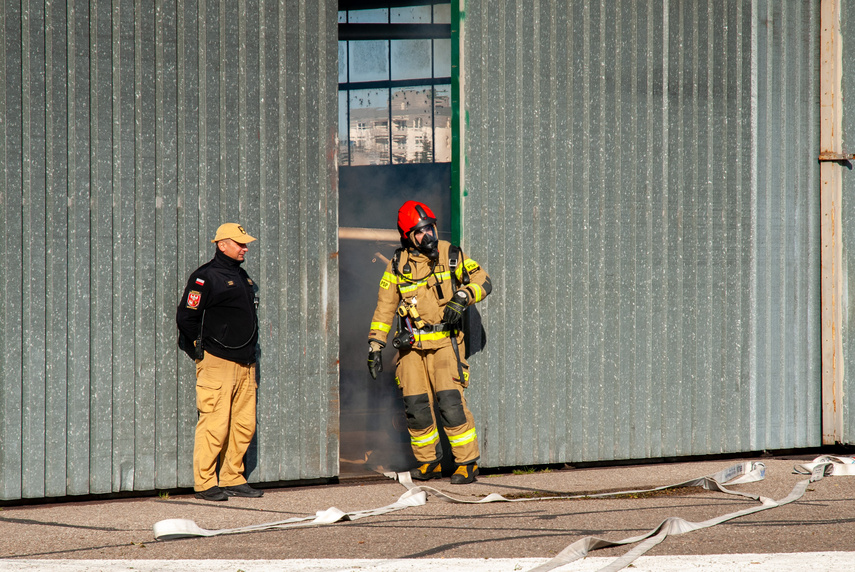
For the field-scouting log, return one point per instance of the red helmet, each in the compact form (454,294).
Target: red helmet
(412,216)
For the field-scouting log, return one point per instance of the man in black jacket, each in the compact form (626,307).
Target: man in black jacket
(218,328)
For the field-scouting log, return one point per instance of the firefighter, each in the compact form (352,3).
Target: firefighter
(424,291)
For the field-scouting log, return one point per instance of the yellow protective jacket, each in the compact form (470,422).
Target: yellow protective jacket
(410,277)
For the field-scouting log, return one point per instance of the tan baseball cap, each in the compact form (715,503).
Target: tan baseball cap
(233,231)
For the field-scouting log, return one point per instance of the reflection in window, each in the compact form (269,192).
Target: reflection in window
(412,139)
(442,123)
(395,86)
(369,127)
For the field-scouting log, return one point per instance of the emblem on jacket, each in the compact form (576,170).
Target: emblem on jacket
(193,299)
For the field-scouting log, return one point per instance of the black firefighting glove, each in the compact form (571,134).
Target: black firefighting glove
(375,358)
(454,308)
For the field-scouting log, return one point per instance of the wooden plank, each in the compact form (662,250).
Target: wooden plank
(831,194)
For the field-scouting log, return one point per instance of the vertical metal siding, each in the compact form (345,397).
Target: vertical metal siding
(847,401)
(128,132)
(641,182)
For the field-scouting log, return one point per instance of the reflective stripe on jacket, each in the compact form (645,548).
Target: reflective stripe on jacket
(429,289)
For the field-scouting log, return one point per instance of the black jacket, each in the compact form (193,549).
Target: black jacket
(225,295)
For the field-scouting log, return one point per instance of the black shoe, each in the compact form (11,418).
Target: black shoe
(427,471)
(243,490)
(464,474)
(213,494)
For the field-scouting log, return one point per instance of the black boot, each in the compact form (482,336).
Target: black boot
(427,471)
(215,493)
(243,490)
(464,474)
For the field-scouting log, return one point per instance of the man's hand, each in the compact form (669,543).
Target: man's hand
(454,308)
(375,358)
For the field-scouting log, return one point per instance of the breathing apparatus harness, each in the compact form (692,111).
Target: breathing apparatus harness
(410,323)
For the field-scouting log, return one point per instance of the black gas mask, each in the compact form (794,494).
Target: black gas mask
(429,243)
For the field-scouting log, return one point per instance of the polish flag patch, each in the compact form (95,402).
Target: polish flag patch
(193,299)
(200,281)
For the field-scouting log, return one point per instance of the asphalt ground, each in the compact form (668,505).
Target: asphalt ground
(120,530)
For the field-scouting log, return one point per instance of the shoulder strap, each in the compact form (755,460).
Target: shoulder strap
(395,259)
(454,255)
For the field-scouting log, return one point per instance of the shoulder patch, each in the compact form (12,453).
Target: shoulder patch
(384,284)
(193,299)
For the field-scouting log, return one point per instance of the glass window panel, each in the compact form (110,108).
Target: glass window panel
(411,59)
(375,16)
(343,155)
(442,14)
(342,16)
(411,15)
(342,62)
(369,127)
(369,60)
(442,123)
(412,136)
(442,53)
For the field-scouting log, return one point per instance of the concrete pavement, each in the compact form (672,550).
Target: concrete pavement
(818,528)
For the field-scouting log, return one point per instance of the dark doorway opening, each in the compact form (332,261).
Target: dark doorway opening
(394,145)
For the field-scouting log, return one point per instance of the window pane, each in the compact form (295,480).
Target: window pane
(342,16)
(342,62)
(442,53)
(412,137)
(343,155)
(369,127)
(411,59)
(442,14)
(442,123)
(411,15)
(369,60)
(377,16)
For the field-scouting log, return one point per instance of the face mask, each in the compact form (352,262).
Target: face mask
(429,244)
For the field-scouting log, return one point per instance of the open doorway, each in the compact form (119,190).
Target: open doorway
(394,145)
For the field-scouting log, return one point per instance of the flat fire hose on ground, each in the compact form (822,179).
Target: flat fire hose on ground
(416,495)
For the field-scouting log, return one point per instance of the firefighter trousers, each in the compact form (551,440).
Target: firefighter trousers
(430,378)
(225,400)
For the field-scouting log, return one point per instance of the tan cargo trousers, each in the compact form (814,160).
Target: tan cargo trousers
(430,377)
(225,399)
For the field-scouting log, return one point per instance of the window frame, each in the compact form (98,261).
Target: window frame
(388,32)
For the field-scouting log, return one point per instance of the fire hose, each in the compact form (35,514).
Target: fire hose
(416,495)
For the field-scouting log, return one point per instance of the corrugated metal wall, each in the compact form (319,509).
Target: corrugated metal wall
(130,131)
(640,180)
